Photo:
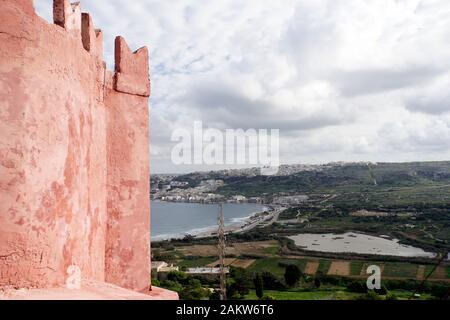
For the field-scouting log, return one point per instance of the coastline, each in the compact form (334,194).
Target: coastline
(244,224)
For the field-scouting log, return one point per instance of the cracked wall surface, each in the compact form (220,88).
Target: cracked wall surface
(74,166)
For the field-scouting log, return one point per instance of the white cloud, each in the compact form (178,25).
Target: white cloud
(342,79)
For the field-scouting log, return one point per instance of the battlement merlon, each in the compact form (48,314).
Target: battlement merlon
(92,38)
(67,15)
(131,69)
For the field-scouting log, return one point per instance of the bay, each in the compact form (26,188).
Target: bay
(176,220)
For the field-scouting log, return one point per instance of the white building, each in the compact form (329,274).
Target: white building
(162,266)
(205,271)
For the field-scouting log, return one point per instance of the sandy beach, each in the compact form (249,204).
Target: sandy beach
(258,219)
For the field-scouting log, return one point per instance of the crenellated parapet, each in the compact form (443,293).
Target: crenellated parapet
(69,16)
(131,74)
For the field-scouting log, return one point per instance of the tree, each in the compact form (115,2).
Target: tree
(292,275)
(194,291)
(317,283)
(172,285)
(179,277)
(240,281)
(257,281)
(271,281)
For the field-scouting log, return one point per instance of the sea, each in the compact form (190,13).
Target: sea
(171,220)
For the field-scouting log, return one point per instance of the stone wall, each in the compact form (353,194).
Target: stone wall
(74,152)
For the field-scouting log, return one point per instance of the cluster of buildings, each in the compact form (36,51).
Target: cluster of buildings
(193,196)
(180,195)
(167,189)
(291,200)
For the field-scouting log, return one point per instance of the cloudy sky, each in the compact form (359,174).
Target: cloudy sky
(343,80)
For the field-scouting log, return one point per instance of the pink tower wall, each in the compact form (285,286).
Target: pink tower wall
(128,202)
(74,160)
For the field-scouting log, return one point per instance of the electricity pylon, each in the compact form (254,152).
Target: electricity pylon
(221,250)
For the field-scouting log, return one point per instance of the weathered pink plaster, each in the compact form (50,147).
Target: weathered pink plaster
(74,152)
(128,236)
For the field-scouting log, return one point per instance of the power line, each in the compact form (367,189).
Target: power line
(422,284)
(221,249)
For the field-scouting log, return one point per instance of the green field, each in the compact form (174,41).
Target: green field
(274,265)
(436,274)
(329,294)
(272,250)
(197,262)
(308,295)
(406,295)
(400,270)
(356,268)
(428,270)
(398,277)
(324,266)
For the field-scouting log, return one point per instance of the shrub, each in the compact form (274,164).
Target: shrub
(194,292)
(172,285)
(370,295)
(357,286)
(383,291)
(156,282)
(271,281)
(391,296)
(317,283)
(178,276)
(292,275)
